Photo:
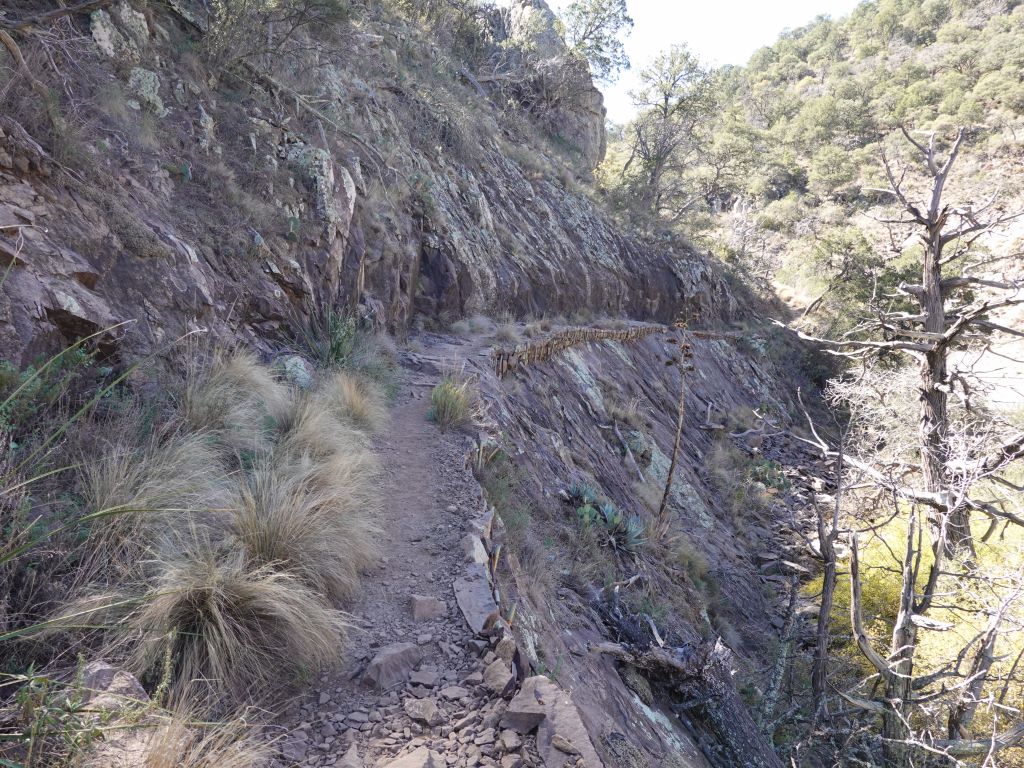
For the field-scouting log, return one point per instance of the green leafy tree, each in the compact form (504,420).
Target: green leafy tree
(594,29)
(676,100)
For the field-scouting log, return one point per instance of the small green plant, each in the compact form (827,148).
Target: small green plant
(25,394)
(329,339)
(421,185)
(625,532)
(771,474)
(587,515)
(51,719)
(582,493)
(451,403)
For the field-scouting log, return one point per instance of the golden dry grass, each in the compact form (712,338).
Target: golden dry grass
(238,399)
(246,522)
(352,399)
(452,403)
(228,627)
(311,520)
(507,334)
(181,743)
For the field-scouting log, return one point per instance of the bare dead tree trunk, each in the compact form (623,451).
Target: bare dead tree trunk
(900,677)
(827,536)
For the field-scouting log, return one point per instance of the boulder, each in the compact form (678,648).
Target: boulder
(562,733)
(419,758)
(425,677)
(473,594)
(528,708)
(350,759)
(497,676)
(298,371)
(424,711)
(109,40)
(454,692)
(428,608)
(392,665)
(506,649)
(510,740)
(144,84)
(107,688)
(473,549)
(541,704)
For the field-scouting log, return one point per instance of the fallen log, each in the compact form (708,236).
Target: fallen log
(701,676)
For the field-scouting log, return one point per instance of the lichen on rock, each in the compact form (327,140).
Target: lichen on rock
(145,85)
(109,40)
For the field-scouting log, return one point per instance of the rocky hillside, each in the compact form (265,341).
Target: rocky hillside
(370,174)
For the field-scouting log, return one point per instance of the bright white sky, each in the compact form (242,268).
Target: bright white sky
(718,31)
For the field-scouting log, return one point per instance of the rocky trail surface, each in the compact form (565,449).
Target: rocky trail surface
(416,686)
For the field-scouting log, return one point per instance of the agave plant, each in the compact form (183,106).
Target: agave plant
(587,514)
(629,534)
(582,494)
(610,513)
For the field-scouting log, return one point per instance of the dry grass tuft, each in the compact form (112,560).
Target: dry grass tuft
(312,521)
(181,743)
(148,488)
(228,627)
(353,400)
(451,403)
(233,531)
(238,399)
(309,430)
(624,411)
(507,334)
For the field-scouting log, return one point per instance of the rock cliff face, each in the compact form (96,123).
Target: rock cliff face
(578,114)
(190,204)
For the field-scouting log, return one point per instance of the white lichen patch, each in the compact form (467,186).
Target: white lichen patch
(588,383)
(144,84)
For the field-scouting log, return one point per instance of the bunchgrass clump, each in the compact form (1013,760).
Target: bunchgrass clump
(315,525)
(229,627)
(184,741)
(451,403)
(352,399)
(237,399)
(208,549)
(507,334)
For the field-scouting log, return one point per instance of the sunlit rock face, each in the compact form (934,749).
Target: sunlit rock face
(578,116)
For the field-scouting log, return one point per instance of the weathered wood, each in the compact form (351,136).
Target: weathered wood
(702,676)
(507,360)
(40,19)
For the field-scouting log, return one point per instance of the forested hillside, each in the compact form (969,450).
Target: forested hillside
(773,164)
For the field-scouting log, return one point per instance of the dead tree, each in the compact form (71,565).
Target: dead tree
(828,533)
(948,316)
(700,677)
(903,690)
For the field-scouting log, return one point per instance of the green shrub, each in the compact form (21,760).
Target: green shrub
(328,339)
(26,394)
(451,403)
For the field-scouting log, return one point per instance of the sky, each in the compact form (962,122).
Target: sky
(719,31)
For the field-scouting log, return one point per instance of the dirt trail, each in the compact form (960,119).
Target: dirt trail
(430,497)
